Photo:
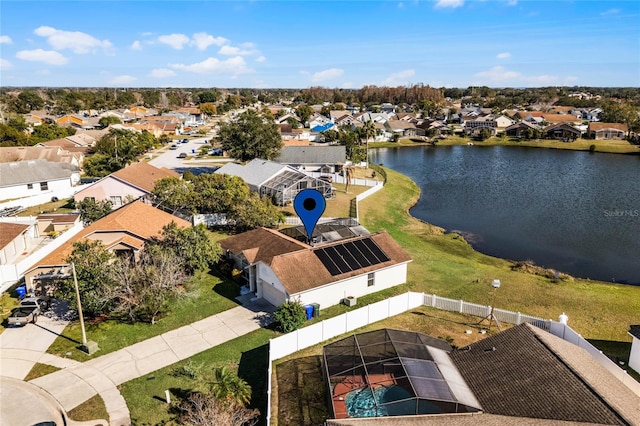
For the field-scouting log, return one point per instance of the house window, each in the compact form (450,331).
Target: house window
(29,186)
(44,186)
(371,279)
(116,200)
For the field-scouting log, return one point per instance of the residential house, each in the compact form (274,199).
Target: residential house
(324,159)
(473,127)
(125,185)
(123,232)
(53,154)
(634,356)
(522,376)
(561,118)
(15,238)
(502,122)
(50,223)
(279,268)
(403,128)
(388,108)
(278,181)
(34,177)
(615,131)
(78,122)
(535,117)
(562,131)
(318,120)
(521,129)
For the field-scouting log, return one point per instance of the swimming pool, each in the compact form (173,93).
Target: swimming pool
(376,403)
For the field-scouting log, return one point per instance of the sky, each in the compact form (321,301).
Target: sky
(335,44)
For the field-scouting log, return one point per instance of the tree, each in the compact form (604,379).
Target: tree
(256,211)
(209,96)
(95,281)
(92,210)
(192,245)
(290,316)
(208,108)
(27,101)
(227,385)
(219,193)
(251,136)
(108,120)
(304,112)
(201,409)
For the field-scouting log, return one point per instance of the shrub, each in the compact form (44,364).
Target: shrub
(290,316)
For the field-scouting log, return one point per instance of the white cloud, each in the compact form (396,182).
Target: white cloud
(399,78)
(503,55)
(38,55)
(233,66)
(328,74)
(441,4)
(136,45)
(499,74)
(4,64)
(244,50)
(75,41)
(347,85)
(122,80)
(261,59)
(610,12)
(204,40)
(177,41)
(400,5)
(5,40)
(147,34)
(512,2)
(162,73)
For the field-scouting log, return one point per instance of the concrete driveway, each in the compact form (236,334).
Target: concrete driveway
(22,347)
(168,158)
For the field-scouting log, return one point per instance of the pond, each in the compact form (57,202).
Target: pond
(576,212)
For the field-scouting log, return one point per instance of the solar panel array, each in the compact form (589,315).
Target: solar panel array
(350,256)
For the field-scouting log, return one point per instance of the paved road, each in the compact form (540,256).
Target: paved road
(168,158)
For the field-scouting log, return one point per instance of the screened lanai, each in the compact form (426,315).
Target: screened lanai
(285,186)
(394,373)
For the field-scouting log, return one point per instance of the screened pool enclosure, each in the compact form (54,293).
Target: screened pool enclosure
(286,185)
(394,373)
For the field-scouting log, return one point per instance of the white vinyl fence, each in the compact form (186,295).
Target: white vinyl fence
(332,327)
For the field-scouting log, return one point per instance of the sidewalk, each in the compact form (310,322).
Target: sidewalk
(78,382)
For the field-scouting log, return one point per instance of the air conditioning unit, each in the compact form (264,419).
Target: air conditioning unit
(350,301)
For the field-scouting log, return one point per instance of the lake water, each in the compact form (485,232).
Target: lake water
(576,212)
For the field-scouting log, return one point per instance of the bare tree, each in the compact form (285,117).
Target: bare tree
(205,410)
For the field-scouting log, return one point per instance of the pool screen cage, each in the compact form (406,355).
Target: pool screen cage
(393,373)
(285,186)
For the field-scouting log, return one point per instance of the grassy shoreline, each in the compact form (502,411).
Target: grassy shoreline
(445,264)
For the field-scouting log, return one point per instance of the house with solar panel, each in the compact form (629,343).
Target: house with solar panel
(344,263)
(279,182)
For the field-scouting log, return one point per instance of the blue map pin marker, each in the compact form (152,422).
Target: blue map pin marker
(309,204)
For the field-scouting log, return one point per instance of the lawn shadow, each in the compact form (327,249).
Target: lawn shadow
(617,352)
(59,335)
(253,369)
(471,323)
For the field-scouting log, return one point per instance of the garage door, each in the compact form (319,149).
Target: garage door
(271,294)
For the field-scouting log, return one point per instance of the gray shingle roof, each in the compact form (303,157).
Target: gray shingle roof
(313,155)
(23,172)
(526,372)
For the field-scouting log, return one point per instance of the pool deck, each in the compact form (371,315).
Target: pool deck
(351,383)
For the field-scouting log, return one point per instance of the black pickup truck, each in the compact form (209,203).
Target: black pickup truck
(28,311)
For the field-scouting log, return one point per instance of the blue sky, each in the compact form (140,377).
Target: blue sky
(298,44)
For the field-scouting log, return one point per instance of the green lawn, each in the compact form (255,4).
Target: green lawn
(448,266)
(209,295)
(246,355)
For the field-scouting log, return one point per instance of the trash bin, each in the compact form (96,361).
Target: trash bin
(316,309)
(309,310)
(22,291)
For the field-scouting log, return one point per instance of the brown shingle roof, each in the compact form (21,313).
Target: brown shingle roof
(59,218)
(9,231)
(595,126)
(285,256)
(261,245)
(560,118)
(141,221)
(143,175)
(526,372)
(474,419)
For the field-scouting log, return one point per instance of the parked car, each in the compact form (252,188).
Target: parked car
(173,147)
(215,151)
(28,311)
(185,140)
(182,155)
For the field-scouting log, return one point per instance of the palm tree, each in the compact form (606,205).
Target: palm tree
(369,130)
(229,386)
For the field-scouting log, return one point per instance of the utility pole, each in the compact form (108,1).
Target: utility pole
(88,347)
